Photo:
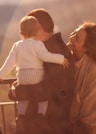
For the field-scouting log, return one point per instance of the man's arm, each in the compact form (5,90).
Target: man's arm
(26,92)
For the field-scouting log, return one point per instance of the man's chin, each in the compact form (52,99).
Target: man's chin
(76,58)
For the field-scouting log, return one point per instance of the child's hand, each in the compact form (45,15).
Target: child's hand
(65,63)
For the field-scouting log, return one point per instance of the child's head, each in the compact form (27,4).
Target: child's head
(29,26)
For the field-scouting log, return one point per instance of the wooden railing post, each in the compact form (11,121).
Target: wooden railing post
(3,118)
(7,81)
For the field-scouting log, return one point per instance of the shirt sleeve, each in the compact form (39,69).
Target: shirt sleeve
(47,56)
(9,63)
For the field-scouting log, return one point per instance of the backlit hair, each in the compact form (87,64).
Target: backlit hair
(90,42)
(29,26)
(44,19)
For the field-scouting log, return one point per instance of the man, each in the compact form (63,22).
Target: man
(0,131)
(83,110)
(56,88)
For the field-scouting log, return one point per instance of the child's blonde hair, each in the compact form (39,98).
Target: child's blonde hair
(29,26)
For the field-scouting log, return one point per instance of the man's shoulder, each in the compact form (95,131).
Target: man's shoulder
(55,44)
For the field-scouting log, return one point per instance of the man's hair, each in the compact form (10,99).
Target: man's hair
(90,42)
(44,19)
(29,26)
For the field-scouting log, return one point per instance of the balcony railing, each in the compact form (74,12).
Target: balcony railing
(3,104)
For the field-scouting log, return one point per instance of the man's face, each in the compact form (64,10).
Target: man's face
(76,42)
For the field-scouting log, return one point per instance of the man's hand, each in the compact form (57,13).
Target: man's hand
(12,94)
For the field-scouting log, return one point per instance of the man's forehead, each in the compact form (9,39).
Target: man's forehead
(79,28)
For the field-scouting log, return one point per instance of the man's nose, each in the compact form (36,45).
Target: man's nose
(73,34)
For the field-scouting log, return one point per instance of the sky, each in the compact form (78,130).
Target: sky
(16,1)
(9,1)
(21,1)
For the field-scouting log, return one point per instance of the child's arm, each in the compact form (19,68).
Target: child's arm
(47,56)
(9,63)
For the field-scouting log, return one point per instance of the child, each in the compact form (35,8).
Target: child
(28,55)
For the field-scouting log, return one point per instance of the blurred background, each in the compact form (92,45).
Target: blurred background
(67,15)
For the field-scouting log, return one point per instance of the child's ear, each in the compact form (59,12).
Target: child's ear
(21,35)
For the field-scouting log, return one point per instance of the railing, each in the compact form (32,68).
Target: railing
(3,104)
